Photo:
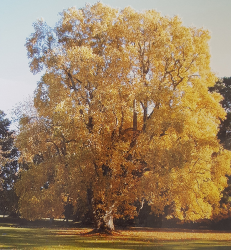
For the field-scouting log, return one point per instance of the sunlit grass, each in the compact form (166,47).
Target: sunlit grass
(14,237)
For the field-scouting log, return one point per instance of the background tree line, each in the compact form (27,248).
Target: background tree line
(9,167)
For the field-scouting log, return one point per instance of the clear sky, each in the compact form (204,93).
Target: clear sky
(17,17)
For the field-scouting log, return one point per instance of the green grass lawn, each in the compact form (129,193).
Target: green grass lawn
(14,236)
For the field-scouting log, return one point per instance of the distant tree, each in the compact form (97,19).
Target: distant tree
(8,166)
(223,87)
(123,115)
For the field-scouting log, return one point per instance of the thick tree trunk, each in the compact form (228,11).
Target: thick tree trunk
(103,218)
(104,221)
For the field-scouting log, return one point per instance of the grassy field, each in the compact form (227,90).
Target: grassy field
(15,236)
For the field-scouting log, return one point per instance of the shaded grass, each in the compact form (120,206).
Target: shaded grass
(14,236)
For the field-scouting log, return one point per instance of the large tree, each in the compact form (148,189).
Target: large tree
(123,115)
(8,166)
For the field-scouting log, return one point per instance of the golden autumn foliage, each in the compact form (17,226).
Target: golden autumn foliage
(123,114)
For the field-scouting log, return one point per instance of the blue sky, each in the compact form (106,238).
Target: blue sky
(17,17)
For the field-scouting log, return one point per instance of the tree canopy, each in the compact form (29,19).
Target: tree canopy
(123,114)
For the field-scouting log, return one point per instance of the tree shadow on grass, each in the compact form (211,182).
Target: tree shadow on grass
(19,234)
(39,238)
(43,223)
